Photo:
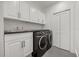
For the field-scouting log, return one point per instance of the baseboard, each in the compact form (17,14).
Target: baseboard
(76,53)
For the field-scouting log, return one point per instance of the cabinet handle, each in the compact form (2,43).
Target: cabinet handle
(24,43)
(21,44)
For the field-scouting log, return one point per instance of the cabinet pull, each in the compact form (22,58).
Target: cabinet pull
(24,43)
(21,44)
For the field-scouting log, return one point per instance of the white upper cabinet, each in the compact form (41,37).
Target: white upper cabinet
(36,15)
(24,10)
(11,9)
(42,18)
(33,14)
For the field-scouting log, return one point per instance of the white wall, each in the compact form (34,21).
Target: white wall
(50,19)
(1,31)
(77,27)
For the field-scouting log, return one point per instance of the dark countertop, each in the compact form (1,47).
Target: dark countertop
(16,32)
(23,31)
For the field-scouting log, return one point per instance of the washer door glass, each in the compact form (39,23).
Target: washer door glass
(43,42)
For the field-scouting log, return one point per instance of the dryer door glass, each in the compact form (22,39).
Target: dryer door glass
(43,42)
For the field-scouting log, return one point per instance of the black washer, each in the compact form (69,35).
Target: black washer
(42,41)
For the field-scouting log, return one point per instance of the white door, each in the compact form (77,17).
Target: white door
(11,8)
(56,35)
(14,50)
(24,10)
(65,30)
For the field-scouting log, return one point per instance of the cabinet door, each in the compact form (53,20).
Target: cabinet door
(33,14)
(14,50)
(28,44)
(11,8)
(42,18)
(24,10)
(37,16)
(28,47)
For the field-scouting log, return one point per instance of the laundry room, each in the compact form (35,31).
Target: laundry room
(39,28)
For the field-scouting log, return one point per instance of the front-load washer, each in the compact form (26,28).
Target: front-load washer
(42,41)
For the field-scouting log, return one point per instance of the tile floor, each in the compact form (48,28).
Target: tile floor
(57,52)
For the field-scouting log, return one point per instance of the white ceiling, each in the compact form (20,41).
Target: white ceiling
(42,5)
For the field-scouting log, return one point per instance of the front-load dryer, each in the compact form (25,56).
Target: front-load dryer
(42,41)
